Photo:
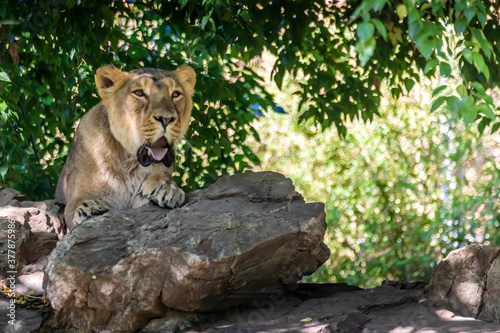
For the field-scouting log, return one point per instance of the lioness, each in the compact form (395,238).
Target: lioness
(124,147)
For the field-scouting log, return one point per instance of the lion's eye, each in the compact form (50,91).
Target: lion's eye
(176,94)
(139,92)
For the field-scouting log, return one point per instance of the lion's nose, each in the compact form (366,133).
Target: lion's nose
(165,120)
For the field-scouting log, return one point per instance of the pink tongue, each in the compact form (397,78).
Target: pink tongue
(158,153)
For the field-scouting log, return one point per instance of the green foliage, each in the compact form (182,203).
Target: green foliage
(401,192)
(400,199)
(49,56)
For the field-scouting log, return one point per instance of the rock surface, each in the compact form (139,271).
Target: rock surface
(391,308)
(37,216)
(468,281)
(395,308)
(243,237)
(23,320)
(30,230)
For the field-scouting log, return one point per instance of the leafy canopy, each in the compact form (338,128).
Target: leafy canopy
(49,53)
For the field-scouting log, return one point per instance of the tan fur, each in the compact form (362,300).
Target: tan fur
(102,171)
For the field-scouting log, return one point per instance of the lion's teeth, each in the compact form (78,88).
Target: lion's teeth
(149,152)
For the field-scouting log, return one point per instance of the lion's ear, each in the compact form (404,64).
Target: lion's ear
(187,79)
(108,79)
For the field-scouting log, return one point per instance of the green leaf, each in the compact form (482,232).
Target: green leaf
(47,100)
(358,10)
(375,5)
(278,77)
(461,90)
(478,86)
(495,127)
(366,50)
(481,14)
(427,47)
(245,15)
(467,110)
(414,29)
(486,73)
(453,103)
(467,54)
(380,28)
(401,11)
(306,320)
(438,90)
(445,69)
(460,25)
(409,83)
(470,12)
(483,42)
(486,110)
(482,124)
(487,98)
(431,64)
(3,8)
(4,77)
(3,170)
(437,103)
(365,31)
(469,115)
(478,61)
(228,17)
(437,7)
(204,21)
(82,89)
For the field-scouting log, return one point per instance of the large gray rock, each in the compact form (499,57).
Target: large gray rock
(240,239)
(468,282)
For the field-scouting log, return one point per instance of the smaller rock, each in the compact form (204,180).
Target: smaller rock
(31,283)
(467,281)
(173,321)
(21,320)
(8,195)
(26,248)
(37,216)
(29,231)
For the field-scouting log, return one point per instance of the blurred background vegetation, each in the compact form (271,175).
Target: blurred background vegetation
(387,111)
(401,191)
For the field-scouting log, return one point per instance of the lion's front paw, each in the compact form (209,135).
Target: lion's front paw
(87,209)
(164,194)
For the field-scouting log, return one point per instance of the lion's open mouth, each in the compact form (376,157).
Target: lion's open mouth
(156,152)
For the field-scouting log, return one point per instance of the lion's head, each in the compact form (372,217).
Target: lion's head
(149,109)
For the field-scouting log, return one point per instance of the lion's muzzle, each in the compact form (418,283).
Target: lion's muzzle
(159,151)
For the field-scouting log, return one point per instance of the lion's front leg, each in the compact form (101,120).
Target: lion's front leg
(162,190)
